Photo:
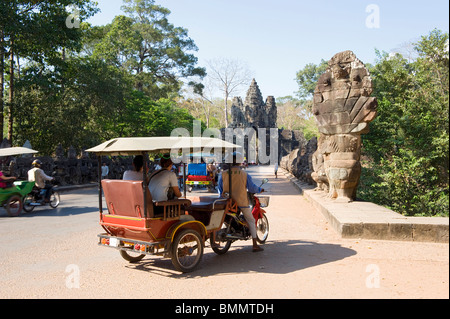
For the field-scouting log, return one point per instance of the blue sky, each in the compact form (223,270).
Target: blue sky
(278,38)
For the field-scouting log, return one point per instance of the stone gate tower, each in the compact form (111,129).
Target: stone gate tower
(254,112)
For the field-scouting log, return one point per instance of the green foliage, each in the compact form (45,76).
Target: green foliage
(67,107)
(295,114)
(406,153)
(406,184)
(307,78)
(142,116)
(80,86)
(96,103)
(408,145)
(150,48)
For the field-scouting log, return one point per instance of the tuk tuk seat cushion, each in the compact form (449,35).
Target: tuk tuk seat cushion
(207,204)
(126,198)
(204,208)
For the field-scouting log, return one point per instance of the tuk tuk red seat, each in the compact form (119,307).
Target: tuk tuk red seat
(126,217)
(126,198)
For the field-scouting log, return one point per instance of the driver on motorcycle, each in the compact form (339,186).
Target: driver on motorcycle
(241,183)
(37,175)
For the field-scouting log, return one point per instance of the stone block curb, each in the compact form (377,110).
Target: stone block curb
(68,188)
(370,221)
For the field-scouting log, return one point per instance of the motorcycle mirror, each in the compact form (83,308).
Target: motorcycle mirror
(264,181)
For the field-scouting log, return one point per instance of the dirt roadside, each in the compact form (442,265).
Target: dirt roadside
(55,255)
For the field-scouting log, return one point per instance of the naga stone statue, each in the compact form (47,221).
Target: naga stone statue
(343,109)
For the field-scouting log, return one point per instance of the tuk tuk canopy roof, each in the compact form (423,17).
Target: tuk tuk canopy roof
(13,151)
(140,145)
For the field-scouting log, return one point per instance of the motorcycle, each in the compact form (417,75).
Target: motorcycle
(236,228)
(37,198)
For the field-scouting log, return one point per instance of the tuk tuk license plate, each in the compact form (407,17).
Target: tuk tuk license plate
(113,242)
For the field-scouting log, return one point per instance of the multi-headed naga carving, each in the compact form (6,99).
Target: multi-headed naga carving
(343,109)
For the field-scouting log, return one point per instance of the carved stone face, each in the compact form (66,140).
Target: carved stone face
(342,102)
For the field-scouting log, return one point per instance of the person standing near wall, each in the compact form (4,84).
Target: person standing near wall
(105,171)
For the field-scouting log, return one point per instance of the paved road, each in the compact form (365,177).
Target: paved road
(54,254)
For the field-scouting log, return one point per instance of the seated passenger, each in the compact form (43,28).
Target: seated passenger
(137,173)
(163,182)
(5,181)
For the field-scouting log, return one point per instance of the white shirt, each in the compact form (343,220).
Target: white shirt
(38,176)
(105,170)
(160,183)
(133,175)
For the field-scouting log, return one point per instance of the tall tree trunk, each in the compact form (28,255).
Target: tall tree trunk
(2,79)
(226,108)
(11,92)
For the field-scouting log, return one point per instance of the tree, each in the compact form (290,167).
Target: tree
(35,30)
(307,79)
(229,75)
(152,118)
(408,145)
(204,109)
(294,114)
(150,48)
(75,114)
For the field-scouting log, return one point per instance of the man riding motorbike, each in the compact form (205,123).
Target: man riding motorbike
(241,183)
(37,175)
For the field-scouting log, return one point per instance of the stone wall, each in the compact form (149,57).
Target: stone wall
(68,168)
(299,161)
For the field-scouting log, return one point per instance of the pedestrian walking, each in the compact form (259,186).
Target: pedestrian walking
(276,169)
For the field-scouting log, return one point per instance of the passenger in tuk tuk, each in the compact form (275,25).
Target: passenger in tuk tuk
(135,174)
(241,183)
(5,181)
(163,183)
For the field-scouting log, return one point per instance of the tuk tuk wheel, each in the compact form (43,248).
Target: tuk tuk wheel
(187,250)
(14,205)
(131,257)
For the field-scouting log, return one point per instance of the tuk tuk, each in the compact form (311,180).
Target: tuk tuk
(198,176)
(11,198)
(138,226)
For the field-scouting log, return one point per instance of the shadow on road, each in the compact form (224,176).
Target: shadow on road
(278,257)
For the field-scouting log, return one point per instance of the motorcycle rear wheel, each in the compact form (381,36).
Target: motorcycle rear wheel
(215,245)
(262,229)
(26,203)
(54,199)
